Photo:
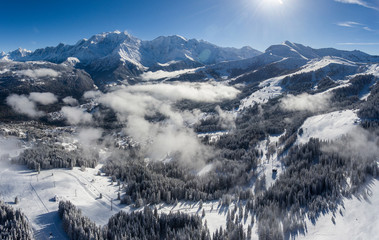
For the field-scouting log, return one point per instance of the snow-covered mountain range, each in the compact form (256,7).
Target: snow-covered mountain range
(122,58)
(292,132)
(123,53)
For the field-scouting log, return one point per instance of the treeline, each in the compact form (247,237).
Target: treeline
(369,110)
(314,181)
(349,96)
(47,156)
(13,224)
(147,224)
(169,182)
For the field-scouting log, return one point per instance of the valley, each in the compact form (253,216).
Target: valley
(230,143)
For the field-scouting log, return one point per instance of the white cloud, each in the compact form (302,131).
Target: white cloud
(348,24)
(21,104)
(227,119)
(39,73)
(76,115)
(44,98)
(306,102)
(88,136)
(199,92)
(92,94)
(368,29)
(172,136)
(70,101)
(351,24)
(358,2)
(358,144)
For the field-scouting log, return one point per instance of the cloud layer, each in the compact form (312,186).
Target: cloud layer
(70,101)
(44,98)
(171,137)
(306,102)
(359,144)
(22,104)
(39,73)
(76,115)
(199,92)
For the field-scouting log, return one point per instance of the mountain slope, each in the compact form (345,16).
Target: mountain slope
(289,49)
(118,55)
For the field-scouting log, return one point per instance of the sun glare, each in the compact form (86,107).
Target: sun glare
(273,2)
(272,6)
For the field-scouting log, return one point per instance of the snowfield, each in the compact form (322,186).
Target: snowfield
(328,126)
(357,219)
(160,74)
(271,88)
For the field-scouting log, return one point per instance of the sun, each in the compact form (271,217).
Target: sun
(269,5)
(273,2)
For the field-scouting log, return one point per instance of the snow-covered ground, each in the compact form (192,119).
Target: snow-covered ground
(270,160)
(213,136)
(328,126)
(271,88)
(160,74)
(358,219)
(36,193)
(215,214)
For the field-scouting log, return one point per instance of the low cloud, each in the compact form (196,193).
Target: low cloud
(92,94)
(171,137)
(21,104)
(359,144)
(44,98)
(9,146)
(76,115)
(70,101)
(199,92)
(306,102)
(88,136)
(39,73)
(227,119)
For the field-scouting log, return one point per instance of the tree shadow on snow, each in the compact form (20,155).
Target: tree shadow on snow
(51,227)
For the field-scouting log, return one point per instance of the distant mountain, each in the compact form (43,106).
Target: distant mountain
(296,50)
(119,55)
(25,77)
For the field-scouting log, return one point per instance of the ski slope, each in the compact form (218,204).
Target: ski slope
(36,193)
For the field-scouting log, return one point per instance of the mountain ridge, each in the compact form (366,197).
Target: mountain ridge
(119,57)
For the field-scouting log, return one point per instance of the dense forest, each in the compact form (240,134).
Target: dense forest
(147,224)
(48,156)
(314,182)
(13,224)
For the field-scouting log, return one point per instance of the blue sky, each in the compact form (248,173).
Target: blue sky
(343,24)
